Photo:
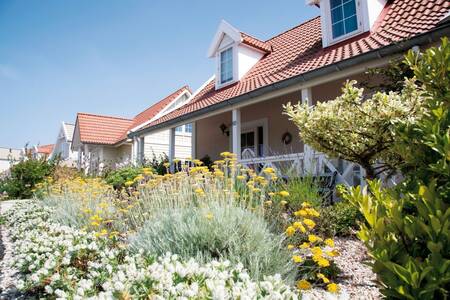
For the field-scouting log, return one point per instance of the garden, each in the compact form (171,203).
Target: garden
(229,232)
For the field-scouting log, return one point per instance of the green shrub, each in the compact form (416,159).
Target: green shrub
(340,219)
(406,230)
(216,232)
(301,190)
(117,178)
(24,176)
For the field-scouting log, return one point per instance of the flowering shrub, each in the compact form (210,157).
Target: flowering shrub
(313,254)
(57,261)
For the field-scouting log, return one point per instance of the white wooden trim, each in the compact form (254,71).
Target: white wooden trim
(171,147)
(194,140)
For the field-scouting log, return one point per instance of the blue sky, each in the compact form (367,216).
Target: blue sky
(112,57)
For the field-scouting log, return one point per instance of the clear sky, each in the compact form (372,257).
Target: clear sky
(113,57)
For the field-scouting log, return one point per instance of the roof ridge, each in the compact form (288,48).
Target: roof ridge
(104,116)
(292,28)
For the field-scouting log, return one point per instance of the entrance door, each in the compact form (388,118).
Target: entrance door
(248,144)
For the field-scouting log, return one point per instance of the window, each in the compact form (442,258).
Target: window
(226,65)
(188,128)
(179,129)
(344,18)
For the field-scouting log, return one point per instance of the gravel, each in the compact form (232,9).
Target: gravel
(357,281)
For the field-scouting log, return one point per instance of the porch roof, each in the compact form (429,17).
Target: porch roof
(297,55)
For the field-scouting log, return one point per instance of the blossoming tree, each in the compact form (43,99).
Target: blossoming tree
(356,128)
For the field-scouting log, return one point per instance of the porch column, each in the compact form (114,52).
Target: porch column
(141,155)
(80,158)
(86,160)
(308,151)
(171,148)
(236,132)
(134,151)
(194,141)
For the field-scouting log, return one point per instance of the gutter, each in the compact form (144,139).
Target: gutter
(389,50)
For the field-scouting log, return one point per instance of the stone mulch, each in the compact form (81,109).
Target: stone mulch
(357,281)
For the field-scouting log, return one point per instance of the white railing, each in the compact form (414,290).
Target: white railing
(293,164)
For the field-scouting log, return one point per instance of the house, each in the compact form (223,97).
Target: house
(239,109)
(41,151)
(63,145)
(8,156)
(102,141)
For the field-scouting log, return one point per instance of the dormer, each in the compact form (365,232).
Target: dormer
(343,19)
(235,53)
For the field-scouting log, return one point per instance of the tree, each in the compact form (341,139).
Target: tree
(357,129)
(407,228)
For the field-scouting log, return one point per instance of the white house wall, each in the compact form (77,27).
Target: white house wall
(247,58)
(158,144)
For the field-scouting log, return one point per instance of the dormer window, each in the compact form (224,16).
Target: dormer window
(226,65)
(344,17)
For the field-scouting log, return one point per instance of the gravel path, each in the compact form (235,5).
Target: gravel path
(357,281)
(7,288)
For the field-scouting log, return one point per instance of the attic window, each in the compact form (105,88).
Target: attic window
(226,65)
(344,17)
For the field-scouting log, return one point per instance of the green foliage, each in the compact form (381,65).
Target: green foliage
(301,190)
(357,129)
(407,229)
(216,231)
(157,163)
(408,237)
(24,176)
(339,219)
(117,178)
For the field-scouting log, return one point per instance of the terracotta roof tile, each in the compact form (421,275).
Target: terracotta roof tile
(256,43)
(299,50)
(105,130)
(45,149)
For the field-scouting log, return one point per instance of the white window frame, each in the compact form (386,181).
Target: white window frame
(327,25)
(234,56)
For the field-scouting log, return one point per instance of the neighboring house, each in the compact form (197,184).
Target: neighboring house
(41,151)
(8,156)
(240,108)
(63,145)
(101,141)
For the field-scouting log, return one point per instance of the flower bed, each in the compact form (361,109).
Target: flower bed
(58,261)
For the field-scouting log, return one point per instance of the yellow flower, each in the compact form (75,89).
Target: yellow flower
(199,191)
(226,154)
(268,202)
(310,223)
(303,285)
(129,183)
(333,253)
(297,259)
(240,177)
(305,245)
(313,238)
(269,170)
(316,251)
(290,231)
(271,194)
(209,216)
(297,225)
(324,279)
(290,247)
(94,223)
(283,202)
(333,288)
(284,193)
(329,242)
(306,204)
(323,262)
(301,212)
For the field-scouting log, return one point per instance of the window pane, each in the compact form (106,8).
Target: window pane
(179,129)
(188,127)
(338,29)
(334,3)
(336,15)
(351,24)
(349,9)
(226,65)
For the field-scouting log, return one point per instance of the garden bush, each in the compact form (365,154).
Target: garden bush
(25,175)
(406,229)
(123,177)
(340,219)
(217,232)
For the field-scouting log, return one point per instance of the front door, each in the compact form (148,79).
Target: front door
(248,144)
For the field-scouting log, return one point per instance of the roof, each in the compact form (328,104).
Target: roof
(105,130)
(9,153)
(153,110)
(45,149)
(255,43)
(299,51)
(68,130)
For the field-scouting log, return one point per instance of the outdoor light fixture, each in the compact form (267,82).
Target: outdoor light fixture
(224,129)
